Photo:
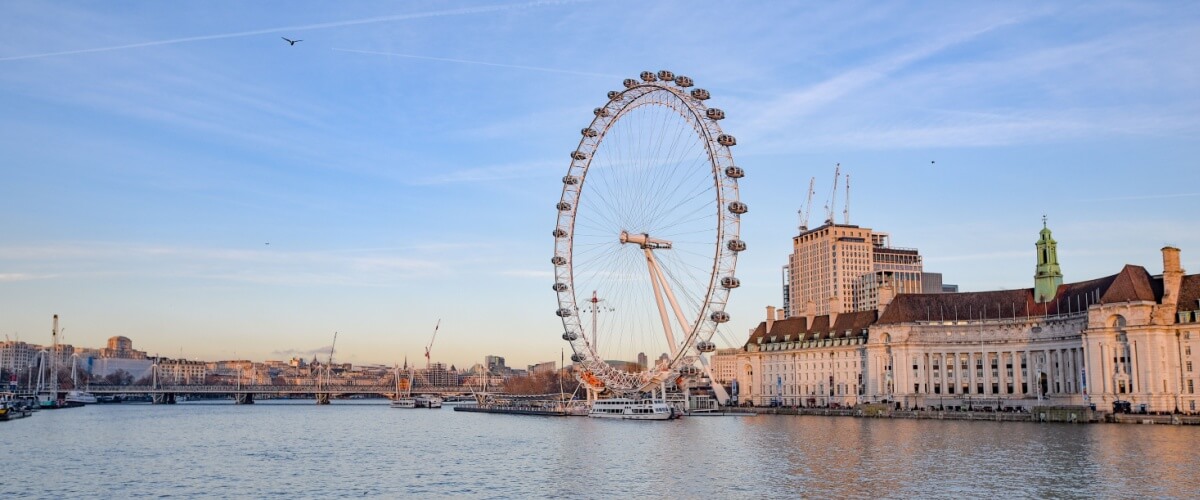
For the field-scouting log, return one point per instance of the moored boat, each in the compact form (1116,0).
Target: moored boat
(632,409)
(80,397)
(403,402)
(429,401)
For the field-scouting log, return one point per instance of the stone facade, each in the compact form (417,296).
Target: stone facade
(1130,338)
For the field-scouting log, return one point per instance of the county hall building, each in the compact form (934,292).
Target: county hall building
(1131,337)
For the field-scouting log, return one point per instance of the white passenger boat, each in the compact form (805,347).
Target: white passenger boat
(80,397)
(429,402)
(404,402)
(632,409)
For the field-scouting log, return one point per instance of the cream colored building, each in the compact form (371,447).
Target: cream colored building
(180,371)
(1128,337)
(837,267)
(724,364)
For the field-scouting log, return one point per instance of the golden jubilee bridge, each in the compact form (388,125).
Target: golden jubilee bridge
(322,392)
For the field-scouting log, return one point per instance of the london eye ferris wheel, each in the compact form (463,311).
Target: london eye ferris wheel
(646,243)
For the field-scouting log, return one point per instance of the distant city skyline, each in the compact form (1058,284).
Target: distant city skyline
(179,175)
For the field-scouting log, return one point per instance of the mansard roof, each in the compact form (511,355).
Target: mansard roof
(1189,293)
(796,329)
(1132,284)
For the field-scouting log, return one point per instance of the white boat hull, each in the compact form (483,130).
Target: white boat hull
(628,409)
(80,397)
(404,403)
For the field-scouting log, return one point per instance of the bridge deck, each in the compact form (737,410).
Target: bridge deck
(271,389)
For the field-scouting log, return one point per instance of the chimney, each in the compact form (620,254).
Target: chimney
(770,318)
(835,307)
(886,293)
(1172,281)
(779,315)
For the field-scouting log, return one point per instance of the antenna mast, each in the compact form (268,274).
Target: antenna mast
(54,361)
(806,208)
(328,365)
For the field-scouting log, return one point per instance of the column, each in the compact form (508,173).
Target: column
(971,366)
(1049,364)
(1000,372)
(1030,374)
(1018,378)
(987,372)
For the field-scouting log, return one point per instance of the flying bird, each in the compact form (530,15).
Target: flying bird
(290,41)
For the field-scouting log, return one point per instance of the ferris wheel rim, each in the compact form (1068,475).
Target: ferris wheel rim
(727,245)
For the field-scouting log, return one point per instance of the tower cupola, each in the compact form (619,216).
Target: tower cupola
(1049,276)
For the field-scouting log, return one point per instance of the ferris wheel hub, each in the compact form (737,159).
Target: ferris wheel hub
(644,241)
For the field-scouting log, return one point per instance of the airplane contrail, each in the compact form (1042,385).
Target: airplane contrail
(334,24)
(482,63)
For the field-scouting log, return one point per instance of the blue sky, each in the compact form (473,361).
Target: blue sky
(403,161)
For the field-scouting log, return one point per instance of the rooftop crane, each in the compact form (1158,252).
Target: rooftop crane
(837,173)
(430,346)
(806,208)
(846,211)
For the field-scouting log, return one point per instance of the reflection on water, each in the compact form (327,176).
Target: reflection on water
(300,449)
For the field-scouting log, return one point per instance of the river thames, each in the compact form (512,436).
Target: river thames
(365,449)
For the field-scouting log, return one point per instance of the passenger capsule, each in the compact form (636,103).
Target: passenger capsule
(700,94)
(578,155)
(563,206)
(560,287)
(706,346)
(728,282)
(577,358)
(689,371)
(571,180)
(613,94)
(570,336)
(716,316)
(736,245)
(558,260)
(666,76)
(629,83)
(648,76)
(683,81)
(726,140)
(563,313)
(600,111)
(734,172)
(715,114)
(589,132)
(559,233)
(738,207)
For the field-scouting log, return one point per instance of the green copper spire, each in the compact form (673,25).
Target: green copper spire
(1049,276)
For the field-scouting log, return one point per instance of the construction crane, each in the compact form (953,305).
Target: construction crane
(430,346)
(837,173)
(806,208)
(846,211)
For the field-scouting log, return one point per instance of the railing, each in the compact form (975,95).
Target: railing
(271,389)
